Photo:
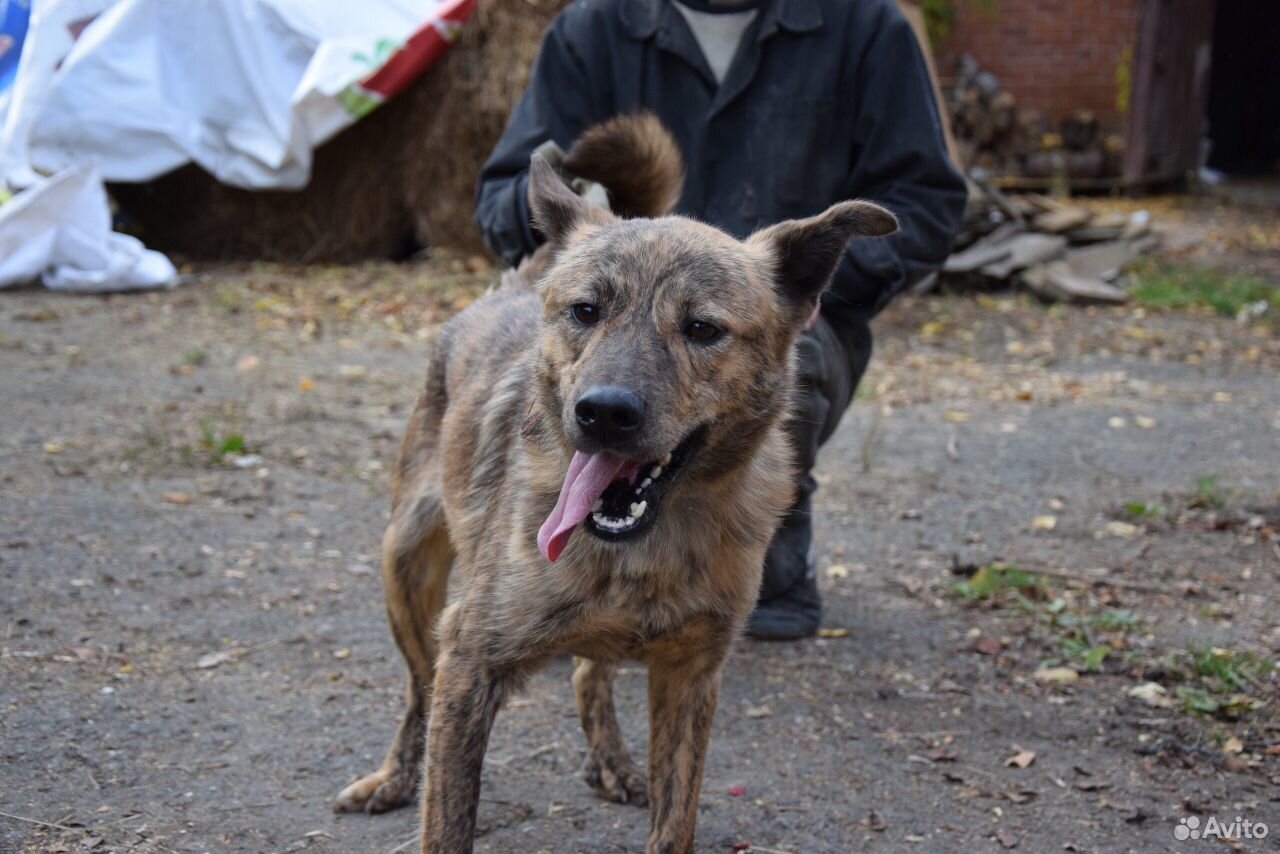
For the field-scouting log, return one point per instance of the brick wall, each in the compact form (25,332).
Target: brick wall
(1053,55)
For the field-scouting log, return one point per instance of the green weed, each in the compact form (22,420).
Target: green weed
(1181,287)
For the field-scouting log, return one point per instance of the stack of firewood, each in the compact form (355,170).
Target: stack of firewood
(1057,250)
(995,137)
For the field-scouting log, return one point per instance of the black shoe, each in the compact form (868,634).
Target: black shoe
(794,615)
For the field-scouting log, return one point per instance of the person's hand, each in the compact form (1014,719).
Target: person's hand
(593,191)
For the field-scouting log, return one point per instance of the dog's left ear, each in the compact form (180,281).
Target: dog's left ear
(556,210)
(807,250)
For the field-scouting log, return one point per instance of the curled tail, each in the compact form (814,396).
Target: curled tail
(637,161)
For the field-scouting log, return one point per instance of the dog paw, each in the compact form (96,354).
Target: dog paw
(617,780)
(379,792)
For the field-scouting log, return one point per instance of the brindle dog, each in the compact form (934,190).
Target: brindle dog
(601,452)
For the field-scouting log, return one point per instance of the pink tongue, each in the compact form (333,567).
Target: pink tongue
(588,477)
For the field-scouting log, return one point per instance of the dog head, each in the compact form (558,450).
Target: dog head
(665,347)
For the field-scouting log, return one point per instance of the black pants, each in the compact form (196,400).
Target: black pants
(832,358)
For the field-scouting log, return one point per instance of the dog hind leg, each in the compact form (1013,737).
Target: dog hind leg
(609,768)
(416,560)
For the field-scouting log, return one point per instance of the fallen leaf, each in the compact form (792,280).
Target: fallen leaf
(1124,530)
(176,498)
(1044,523)
(1021,758)
(1117,423)
(306,384)
(958,416)
(213,659)
(1006,838)
(248,363)
(837,570)
(1234,764)
(737,791)
(1233,745)
(1153,694)
(759,711)
(833,633)
(873,821)
(342,653)
(1092,785)
(987,645)
(53,446)
(1144,422)
(360,569)
(1056,675)
(352,371)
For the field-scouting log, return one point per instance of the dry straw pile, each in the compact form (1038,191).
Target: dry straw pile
(401,178)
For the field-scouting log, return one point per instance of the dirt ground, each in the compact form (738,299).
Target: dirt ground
(193,656)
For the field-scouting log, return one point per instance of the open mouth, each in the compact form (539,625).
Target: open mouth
(630,503)
(613,497)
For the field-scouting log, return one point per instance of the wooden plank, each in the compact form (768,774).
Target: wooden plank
(1170,89)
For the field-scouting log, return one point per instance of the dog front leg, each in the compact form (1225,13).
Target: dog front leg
(465,701)
(682,703)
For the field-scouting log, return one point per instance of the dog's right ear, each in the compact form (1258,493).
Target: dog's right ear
(557,211)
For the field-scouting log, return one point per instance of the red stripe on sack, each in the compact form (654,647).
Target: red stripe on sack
(424,47)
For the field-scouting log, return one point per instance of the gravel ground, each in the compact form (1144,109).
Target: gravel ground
(193,655)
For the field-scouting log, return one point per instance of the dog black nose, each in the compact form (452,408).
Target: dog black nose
(609,413)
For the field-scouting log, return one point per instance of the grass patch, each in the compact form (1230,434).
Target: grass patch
(1143,510)
(218,443)
(1226,670)
(1088,639)
(1222,682)
(1080,637)
(995,579)
(1182,287)
(1209,494)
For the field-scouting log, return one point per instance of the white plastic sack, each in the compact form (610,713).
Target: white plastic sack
(59,231)
(52,30)
(245,88)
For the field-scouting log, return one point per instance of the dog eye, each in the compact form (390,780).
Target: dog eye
(585,313)
(701,331)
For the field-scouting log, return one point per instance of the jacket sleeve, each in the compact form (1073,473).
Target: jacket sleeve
(901,162)
(556,105)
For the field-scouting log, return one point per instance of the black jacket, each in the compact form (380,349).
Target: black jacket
(826,100)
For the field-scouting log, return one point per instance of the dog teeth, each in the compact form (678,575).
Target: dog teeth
(666,461)
(645,484)
(655,472)
(637,510)
(609,523)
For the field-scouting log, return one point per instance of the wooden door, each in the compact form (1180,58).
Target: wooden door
(1170,90)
